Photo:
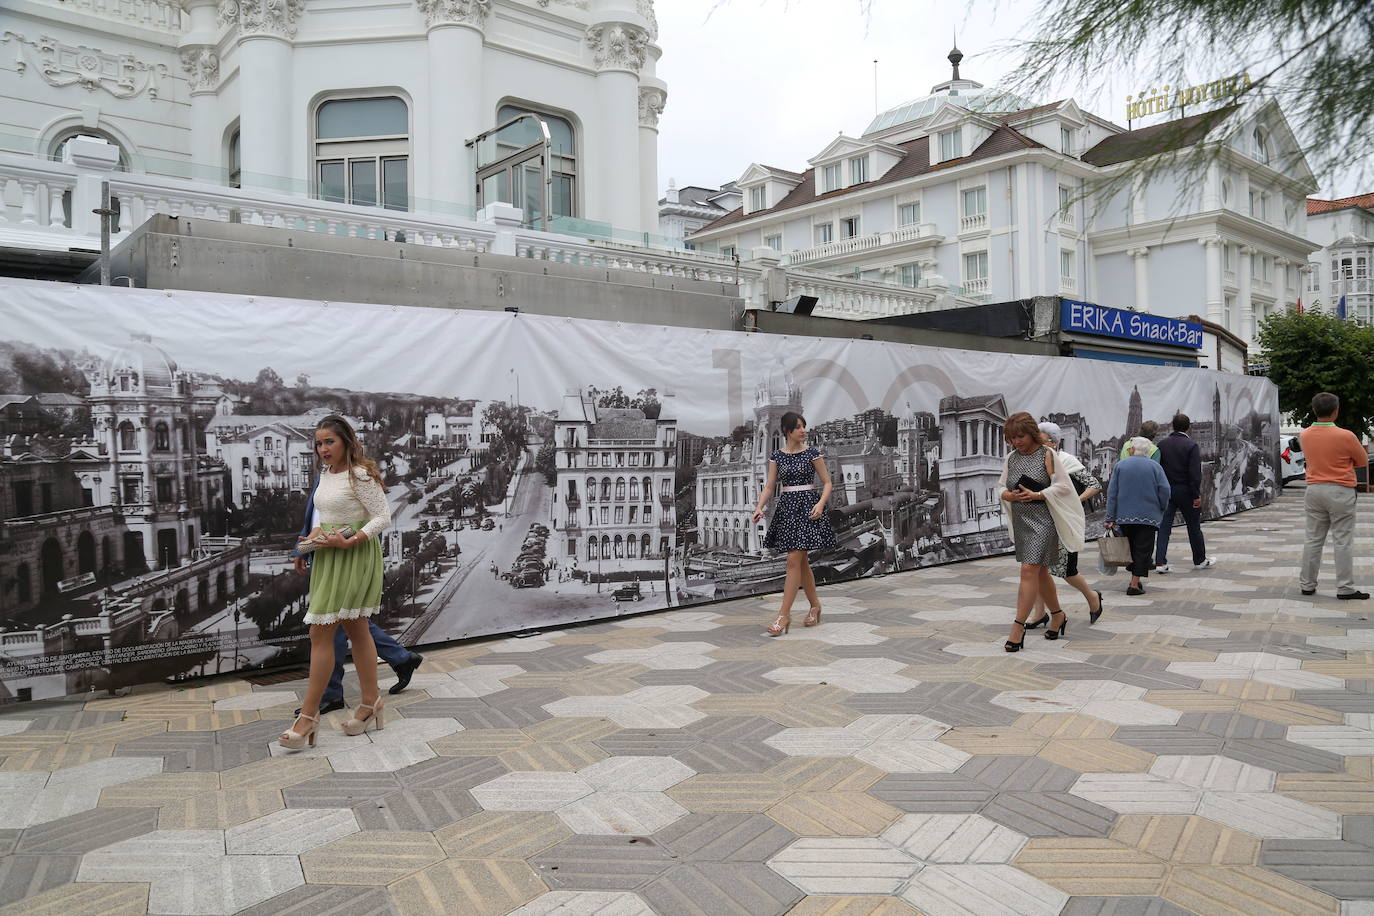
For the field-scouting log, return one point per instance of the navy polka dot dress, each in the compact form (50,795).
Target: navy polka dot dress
(790,528)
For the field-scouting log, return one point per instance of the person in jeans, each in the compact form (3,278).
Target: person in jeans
(402,661)
(1181,460)
(1333,455)
(1137,496)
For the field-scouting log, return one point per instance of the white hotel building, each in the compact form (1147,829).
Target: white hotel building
(364,105)
(1345,230)
(969,188)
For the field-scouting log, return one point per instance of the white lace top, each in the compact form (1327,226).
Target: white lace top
(339,503)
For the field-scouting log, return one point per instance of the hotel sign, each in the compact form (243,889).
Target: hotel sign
(1086,318)
(1162,100)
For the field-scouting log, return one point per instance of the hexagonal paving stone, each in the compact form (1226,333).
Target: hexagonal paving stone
(531,791)
(666,656)
(500,835)
(1182,839)
(725,838)
(627,813)
(845,865)
(1218,774)
(1338,868)
(290,832)
(483,886)
(833,814)
(601,863)
(720,889)
(1347,740)
(1137,793)
(647,707)
(474,681)
(585,903)
(377,857)
(1093,866)
(982,890)
(1270,816)
(636,774)
(954,839)
(859,675)
(416,809)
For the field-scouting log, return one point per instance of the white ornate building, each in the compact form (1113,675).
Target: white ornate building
(366,105)
(974,190)
(616,505)
(1341,267)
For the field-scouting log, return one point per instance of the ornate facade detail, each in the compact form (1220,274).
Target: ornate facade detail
(201,65)
(618,46)
(59,64)
(645,8)
(276,18)
(455,12)
(578,4)
(651,103)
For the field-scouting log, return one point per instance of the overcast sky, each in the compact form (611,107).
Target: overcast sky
(773,81)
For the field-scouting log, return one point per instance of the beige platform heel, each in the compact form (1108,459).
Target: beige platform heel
(293,741)
(356,726)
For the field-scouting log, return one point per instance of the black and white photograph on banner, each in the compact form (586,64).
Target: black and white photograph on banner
(156,458)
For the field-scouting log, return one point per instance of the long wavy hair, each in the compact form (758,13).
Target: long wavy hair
(354,455)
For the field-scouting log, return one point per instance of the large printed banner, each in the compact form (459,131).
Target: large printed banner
(157,454)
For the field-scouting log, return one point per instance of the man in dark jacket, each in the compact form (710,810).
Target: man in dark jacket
(1181,459)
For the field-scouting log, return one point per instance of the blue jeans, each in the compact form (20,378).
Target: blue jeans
(1179,501)
(390,651)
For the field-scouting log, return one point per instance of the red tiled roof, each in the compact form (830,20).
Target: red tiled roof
(1315,205)
(915,161)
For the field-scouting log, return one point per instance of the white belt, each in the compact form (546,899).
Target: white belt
(797,489)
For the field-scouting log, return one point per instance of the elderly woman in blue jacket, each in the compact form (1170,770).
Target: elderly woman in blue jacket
(1136,499)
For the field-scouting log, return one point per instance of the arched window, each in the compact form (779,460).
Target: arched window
(562,168)
(606,546)
(1261,145)
(162,440)
(644,546)
(362,152)
(606,488)
(620,489)
(128,439)
(593,549)
(619,547)
(631,547)
(634,489)
(235,158)
(648,488)
(591,489)
(59,148)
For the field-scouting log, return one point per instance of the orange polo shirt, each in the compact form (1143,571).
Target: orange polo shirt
(1332,454)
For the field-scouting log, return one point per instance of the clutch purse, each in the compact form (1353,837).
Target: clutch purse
(1029,484)
(308,545)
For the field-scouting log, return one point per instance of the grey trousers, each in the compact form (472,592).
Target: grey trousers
(1330,507)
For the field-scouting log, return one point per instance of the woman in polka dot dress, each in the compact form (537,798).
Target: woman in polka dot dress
(799,524)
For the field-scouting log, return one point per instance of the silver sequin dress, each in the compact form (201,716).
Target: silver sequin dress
(1031,523)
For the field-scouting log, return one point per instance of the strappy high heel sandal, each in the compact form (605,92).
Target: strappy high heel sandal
(1044,619)
(1051,632)
(1093,615)
(813,618)
(293,740)
(1016,646)
(780,626)
(356,726)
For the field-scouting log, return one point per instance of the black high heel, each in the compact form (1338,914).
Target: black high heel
(1093,615)
(1051,633)
(1016,646)
(1039,623)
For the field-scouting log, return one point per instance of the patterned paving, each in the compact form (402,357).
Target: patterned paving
(1206,748)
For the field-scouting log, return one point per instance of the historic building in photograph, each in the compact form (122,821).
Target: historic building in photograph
(972,451)
(266,95)
(615,483)
(999,198)
(729,477)
(1340,269)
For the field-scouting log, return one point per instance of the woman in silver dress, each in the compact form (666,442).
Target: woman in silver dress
(1040,503)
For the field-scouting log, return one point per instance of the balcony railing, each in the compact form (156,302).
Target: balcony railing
(573,501)
(978,285)
(1068,284)
(973,223)
(162,15)
(861,243)
(36,188)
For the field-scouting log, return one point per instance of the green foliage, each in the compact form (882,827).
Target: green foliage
(1315,58)
(1313,352)
(544,463)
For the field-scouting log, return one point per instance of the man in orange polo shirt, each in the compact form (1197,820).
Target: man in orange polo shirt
(1332,455)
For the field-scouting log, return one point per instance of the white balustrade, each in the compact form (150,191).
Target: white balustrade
(978,285)
(162,15)
(973,223)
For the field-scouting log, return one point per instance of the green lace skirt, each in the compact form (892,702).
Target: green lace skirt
(345,584)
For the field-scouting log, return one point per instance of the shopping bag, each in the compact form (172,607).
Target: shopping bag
(1113,552)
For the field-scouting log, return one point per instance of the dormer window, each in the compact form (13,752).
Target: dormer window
(951,145)
(858,170)
(1066,141)
(1261,145)
(830,177)
(758,198)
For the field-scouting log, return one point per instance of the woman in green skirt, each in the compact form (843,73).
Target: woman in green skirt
(345,577)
